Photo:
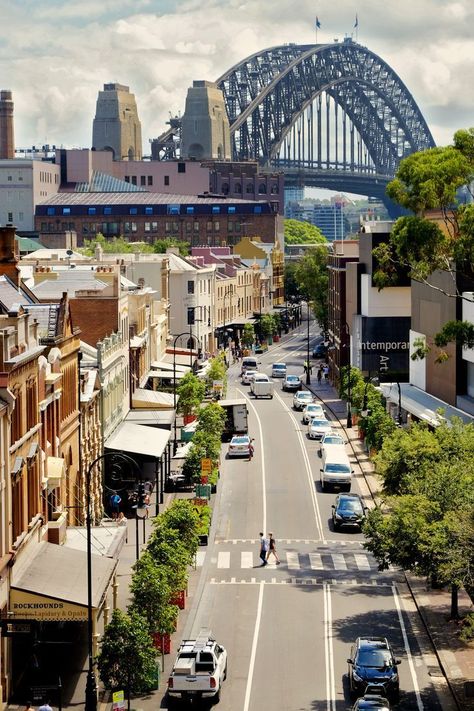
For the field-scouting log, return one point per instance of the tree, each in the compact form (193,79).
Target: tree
(211,419)
(292,292)
(313,281)
(161,245)
(181,517)
(151,594)
(127,658)
(191,393)
(248,335)
(298,232)
(169,551)
(217,371)
(422,244)
(266,326)
(204,446)
(115,245)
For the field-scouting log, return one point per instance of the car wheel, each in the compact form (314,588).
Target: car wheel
(217,697)
(323,485)
(225,672)
(336,525)
(271,397)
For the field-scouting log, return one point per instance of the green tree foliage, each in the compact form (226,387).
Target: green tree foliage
(298,232)
(181,517)
(313,281)
(211,419)
(266,325)
(127,658)
(292,291)
(116,245)
(217,371)
(161,245)
(151,593)
(191,392)
(248,335)
(204,446)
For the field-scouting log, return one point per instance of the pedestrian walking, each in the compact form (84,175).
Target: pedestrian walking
(115,501)
(45,707)
(251,449)
(326,373)
(319,375)
(29,706)
(264,545)
(272,548)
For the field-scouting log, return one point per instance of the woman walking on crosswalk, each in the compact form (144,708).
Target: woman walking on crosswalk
(272,548)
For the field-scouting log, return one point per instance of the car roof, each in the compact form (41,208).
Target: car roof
(295,377)
(380,642)
(340,497)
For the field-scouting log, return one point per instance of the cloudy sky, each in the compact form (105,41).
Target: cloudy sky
(55,55)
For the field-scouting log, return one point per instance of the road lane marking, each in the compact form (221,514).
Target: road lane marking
(246,559)
(253,652)
(292,560)
(309,473)
(223,559)
(328,649)
(316,561)
(200,555)
(262,454)
(338,561)
(406,644)
(362,561)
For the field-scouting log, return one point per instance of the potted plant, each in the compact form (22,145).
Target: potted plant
(191,392)
(205,517)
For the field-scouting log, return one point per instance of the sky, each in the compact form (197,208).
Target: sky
(55,55)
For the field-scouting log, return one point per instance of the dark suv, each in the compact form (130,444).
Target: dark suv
(372,663)
(319,351)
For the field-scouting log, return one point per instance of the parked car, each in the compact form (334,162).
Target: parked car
(247,376)
(336,469)
(331,438)
(371,702)
(301,399)
(199,671)
(348,510)
(319,351)
(372,661)
(248,363)
(318,427)
(278,370)
(239,446)
(292,382)
(262,386)
(313,409)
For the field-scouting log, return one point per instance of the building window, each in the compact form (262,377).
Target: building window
(107,210)
(127,178)
(150,180)
(142,179)
(66,210)
(237,227)
(190,210)
(43,227)
(262,189)
(225,188)
(188,227)
(274,189)
(167,226)
(190,316)
(216,226)
(249,188)
(238,188)
(209,226)
(134,179)
(257,210)
(134,227)
(50,211)
(91,210)
(196,226)
(133,211)
(230,226)
(166,179)
(181,167)
(148,211)
(154,226)
(147,227)
(175,226)
(172,209)
(190,287)
(85,228)
(126,227)
(216,210)
(10,217)
(10,178)
(231,210)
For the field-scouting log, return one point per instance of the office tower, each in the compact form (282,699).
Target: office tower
(205,132)
(117,127)
(7,140)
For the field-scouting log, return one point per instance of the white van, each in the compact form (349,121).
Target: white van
(278,370)
(249,363)
(336,469)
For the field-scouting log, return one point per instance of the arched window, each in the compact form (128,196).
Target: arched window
(274,189)
(225,188)
(238,188)
(249,188)
(262,189)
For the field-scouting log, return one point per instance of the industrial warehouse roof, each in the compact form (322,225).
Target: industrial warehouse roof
(140,199)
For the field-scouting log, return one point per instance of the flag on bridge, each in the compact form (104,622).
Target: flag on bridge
(356,23)
(318,24)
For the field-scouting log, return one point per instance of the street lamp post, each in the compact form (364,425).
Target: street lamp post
(308,379)
(399,416)
(91,682)
(192,337)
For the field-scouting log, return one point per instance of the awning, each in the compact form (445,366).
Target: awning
(183,451)
(56,471)
(53,585)
(136,439)
(184,357)
(136,341)
(423,405)
(168,365)
(166,374)
(152,400)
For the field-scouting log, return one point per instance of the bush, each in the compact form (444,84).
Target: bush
(191,392)
(169,551)
(211,419)
(467,628)
(205,516)
(151,593)
(182,517)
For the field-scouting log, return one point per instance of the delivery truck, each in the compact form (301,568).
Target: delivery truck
(236,417)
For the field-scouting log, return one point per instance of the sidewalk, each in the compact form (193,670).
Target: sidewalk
(455,658)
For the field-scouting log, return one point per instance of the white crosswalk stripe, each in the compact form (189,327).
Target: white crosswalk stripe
(200,555)
(339,561)
(223,559)
(292,560)
(362,561)
(316,561)
(246,559)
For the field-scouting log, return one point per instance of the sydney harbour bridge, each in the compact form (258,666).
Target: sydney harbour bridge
(333,116)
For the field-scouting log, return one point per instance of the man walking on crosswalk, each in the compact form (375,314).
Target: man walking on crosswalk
(264,544)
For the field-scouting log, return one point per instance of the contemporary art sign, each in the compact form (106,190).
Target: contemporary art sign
(385,347)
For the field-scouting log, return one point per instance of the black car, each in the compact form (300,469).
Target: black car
(348,510)
(320,351)
(371,702)
(372,663)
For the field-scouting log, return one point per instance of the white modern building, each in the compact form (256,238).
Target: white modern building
(23,184)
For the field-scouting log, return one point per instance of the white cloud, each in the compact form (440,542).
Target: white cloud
(57,54)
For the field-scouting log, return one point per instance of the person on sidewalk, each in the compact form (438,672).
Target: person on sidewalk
(29,706)
(115,501)
(251,449)
(326,373)
(264,545)
(272,548)
(45,707)
(320,374)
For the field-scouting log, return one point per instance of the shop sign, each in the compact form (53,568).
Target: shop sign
(118,700)
(48,609)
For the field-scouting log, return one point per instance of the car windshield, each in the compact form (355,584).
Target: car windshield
(279,366)
(338,468)
(304,396)
(292,378)
(374,658)
(320,423)
(240,440)
(313,408)
(352,505)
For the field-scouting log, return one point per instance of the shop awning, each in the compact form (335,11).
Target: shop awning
(183,451)
(56,471)
(168,365)
(53,585)
(184,357)
(152,400)
(423,405)
(137,341)
(136,439)
(152,418)
(166,374)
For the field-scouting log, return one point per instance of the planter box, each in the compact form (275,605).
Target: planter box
(203,539)
(179,599)
(187,419)
(162,642)
(276,338)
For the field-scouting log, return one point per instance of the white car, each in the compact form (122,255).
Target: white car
(278,370)
(239,446)
(301,399)
(248,376)
(312,410)
(318,427)
(292,382)
(333,438)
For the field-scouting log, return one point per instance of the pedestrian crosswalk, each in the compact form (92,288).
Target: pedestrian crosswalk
(292,560)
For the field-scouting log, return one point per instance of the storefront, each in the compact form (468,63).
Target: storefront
(381,346)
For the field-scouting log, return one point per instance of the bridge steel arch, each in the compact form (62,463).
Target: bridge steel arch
(280,100)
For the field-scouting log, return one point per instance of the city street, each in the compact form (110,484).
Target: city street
(288,628)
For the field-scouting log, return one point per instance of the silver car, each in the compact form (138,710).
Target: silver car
(317,428)
(301,399)
(311,411)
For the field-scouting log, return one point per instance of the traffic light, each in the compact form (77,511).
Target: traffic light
(141,495)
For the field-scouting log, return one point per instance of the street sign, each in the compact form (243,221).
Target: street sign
(118,700)
(206,466)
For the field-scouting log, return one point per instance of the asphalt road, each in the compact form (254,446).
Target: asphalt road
(288,628)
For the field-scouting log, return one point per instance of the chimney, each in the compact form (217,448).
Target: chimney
(9,254)
(7,140)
